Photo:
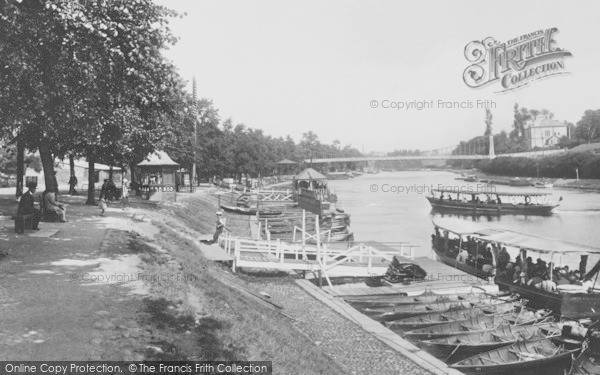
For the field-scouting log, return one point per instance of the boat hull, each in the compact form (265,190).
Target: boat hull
(568,305)
(457,349)
(452,262)
(495,361)
(487,208)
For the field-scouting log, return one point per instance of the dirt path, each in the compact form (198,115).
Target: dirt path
(133,286)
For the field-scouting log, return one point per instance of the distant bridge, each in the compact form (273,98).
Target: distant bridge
(466,152)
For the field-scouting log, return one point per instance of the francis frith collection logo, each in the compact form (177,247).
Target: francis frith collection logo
(514,63)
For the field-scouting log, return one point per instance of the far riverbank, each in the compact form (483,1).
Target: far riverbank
(564,183)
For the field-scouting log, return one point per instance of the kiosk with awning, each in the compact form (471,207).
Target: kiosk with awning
(157,174)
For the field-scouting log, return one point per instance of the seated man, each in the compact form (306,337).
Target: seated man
(53,205)
(26,206)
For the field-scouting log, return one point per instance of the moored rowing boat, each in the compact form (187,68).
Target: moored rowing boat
(524,358)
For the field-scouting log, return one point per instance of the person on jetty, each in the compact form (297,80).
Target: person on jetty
(221,221)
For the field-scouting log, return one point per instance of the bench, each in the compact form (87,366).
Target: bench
(23,222)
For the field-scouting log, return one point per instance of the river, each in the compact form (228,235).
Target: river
(390,207)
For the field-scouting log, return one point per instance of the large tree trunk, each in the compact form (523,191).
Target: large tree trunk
(71,174)
(132,173)
(48,165)
(91,200)
(20,166)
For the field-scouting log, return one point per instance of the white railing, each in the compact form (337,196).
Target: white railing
(322,258)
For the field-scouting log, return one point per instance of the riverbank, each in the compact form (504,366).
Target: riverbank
(134,285)
(563,183)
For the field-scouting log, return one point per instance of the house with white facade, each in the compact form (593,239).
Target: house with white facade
(545,132)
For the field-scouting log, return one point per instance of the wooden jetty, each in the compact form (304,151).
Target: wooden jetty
(339,259)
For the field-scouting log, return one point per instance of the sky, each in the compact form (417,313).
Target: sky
(288,67)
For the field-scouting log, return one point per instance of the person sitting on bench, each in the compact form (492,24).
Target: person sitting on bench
(51,204)
(26,206)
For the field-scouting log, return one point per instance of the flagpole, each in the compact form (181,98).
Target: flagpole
(195,115)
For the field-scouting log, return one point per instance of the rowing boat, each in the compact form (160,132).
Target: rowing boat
(524,358)
(427,297)
(250,211)
(388,314)
(476,324)
(462,315)
(460,347)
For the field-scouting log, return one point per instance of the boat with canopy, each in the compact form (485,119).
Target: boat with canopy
(575,297)
(490,201)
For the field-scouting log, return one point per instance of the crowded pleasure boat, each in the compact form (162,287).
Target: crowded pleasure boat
(556,279)
(490,201)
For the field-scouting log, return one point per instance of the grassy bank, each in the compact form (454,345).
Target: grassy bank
(208,319)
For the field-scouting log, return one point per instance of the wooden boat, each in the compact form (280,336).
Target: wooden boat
(446,258)
(395,300)
(476,324)
(543,184)
(585,365)
(457,348)
(425,298)
(570,301)
(523,358)
(503,202)
(387,314)
(520,182)
(250,211)
(467,177)
(432,319)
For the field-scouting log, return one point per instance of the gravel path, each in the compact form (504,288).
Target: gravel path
(355,350)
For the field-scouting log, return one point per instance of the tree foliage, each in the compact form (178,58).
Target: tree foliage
(86,78)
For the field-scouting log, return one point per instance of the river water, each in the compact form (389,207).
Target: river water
(390,207)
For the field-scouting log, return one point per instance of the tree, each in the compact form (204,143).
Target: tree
(86,77)
(588,128)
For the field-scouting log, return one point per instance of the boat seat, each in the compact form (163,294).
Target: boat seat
(525,356)
(491,360)
(498,337)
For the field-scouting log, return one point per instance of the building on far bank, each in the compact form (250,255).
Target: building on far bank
(545,132)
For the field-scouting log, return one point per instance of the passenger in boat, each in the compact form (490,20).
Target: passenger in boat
(522,278)
(548,286)
(510,271)
(561,277)
(498,199)
(488,258)
(535,281)
(528,267)
(503,258)
(516,275)
(462,257)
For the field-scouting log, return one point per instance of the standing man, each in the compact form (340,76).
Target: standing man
(220,226)
(26,206)
(72,184)
(124,194)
